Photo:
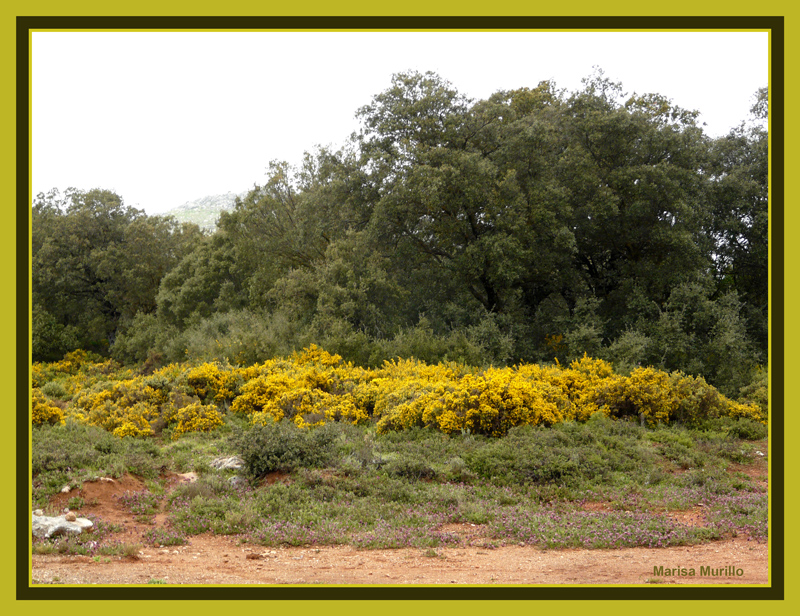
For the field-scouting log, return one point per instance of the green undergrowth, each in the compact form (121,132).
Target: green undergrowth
(598,484)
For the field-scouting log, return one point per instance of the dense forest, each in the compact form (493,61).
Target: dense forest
(536,225)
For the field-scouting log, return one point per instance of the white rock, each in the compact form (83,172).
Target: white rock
(233,462)
(65,490)
(46,526)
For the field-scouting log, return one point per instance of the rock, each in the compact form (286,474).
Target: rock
(38,512)
(65,490)
(231,462)
(107,479)
(236,481)
(70,517)
(45,527)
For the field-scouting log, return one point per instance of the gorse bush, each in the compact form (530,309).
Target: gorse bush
(43,411)
(313,388)
(197,417)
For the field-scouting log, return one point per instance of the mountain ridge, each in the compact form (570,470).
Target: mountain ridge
(205,211)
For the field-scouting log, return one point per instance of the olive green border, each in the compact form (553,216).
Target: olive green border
(409,593)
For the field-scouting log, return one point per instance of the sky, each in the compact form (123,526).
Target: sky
(162,118)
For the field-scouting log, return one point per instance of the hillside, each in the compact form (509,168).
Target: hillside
(205,211)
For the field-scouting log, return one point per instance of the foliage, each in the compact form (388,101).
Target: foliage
(342,483)
(42,412)
(197,417)
(95,264)
(532,226)
(280,446)
(314,388)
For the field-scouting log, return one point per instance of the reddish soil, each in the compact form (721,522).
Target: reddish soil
(212,559)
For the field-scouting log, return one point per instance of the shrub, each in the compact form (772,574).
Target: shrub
(313,388)
(757,390)
(645,392)
(410,468)
(742,428)
(212,383)
(197,417)
(282,446)
(55,390)
(43,411)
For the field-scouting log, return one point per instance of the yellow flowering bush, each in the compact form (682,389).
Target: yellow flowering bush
(584,388)
(699,400)
(315,355)
(69,365)
(262,394)
(133,421)
(647,392)
(313,387)
(210,382)
(749,411)
(489,403)
(43,412)
(39,374)
(197,417)
(121,420)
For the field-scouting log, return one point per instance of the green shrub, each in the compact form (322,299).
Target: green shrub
(409,467)
(757,390)
(72,445)
(568,454)
(743,428)
(282,446)
(55,390)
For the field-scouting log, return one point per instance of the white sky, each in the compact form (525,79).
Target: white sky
(162,118)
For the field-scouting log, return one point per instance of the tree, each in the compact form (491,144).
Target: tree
(740,207)
(95,264)
(632,171)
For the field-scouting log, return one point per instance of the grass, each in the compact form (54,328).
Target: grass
(599,484)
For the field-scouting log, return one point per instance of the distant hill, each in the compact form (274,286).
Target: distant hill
(205,211)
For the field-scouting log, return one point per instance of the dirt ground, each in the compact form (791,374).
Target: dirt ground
(213,560)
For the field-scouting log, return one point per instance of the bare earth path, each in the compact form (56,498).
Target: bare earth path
(212,559)
(218,560)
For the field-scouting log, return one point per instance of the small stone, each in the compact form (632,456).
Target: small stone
(65,490)
(38,512)
(70,517)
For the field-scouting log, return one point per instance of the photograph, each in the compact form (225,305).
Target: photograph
(365,307)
